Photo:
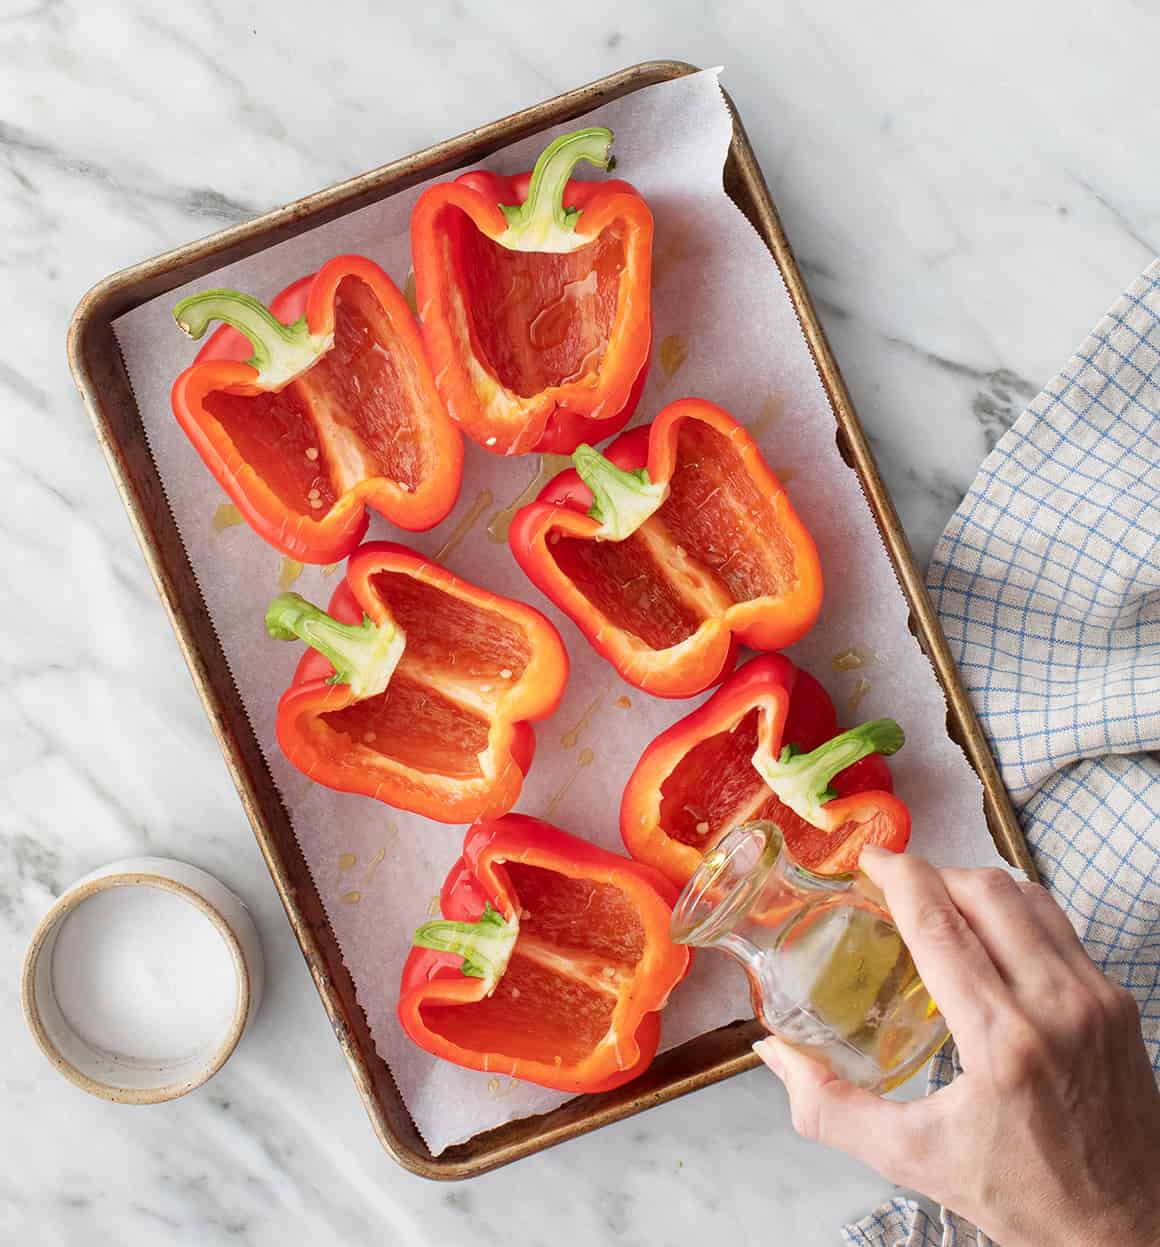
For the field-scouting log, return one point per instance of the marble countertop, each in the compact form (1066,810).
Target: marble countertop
(966,187)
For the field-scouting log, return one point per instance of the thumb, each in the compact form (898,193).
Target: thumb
(830,1110)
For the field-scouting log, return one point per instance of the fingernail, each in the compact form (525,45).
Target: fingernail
(872,853)
(770,1052)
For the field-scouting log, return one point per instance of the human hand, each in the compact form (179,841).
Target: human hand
(1052,1133)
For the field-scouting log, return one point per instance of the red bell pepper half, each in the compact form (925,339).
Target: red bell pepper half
(672,547)
(534,295)
(550,961)
(418,688)
(765,746)
(311,410)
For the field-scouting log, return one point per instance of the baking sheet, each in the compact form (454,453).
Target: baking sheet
(725,330)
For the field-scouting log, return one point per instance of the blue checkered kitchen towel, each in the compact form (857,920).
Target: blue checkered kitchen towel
(1047,581)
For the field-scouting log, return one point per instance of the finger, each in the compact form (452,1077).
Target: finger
(1063,935)
(953,964)
(1009,928)
(829,1110)
(1055,922)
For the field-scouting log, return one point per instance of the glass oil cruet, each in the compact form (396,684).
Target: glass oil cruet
(828,971)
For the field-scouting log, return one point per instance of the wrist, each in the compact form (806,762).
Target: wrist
(1124,1224)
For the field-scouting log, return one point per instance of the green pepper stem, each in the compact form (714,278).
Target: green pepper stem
(281,352)
(802,780)
(363,655)
(541,222)
(485,946)
(621,500)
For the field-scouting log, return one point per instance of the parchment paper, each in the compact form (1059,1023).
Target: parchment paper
(725,330)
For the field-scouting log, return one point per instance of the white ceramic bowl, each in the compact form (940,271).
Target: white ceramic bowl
(124,1077)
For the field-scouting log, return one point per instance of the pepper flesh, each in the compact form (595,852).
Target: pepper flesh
(721,558)
(697,780)
(534,297)
(571,1002)
(448,733)
(314,409)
